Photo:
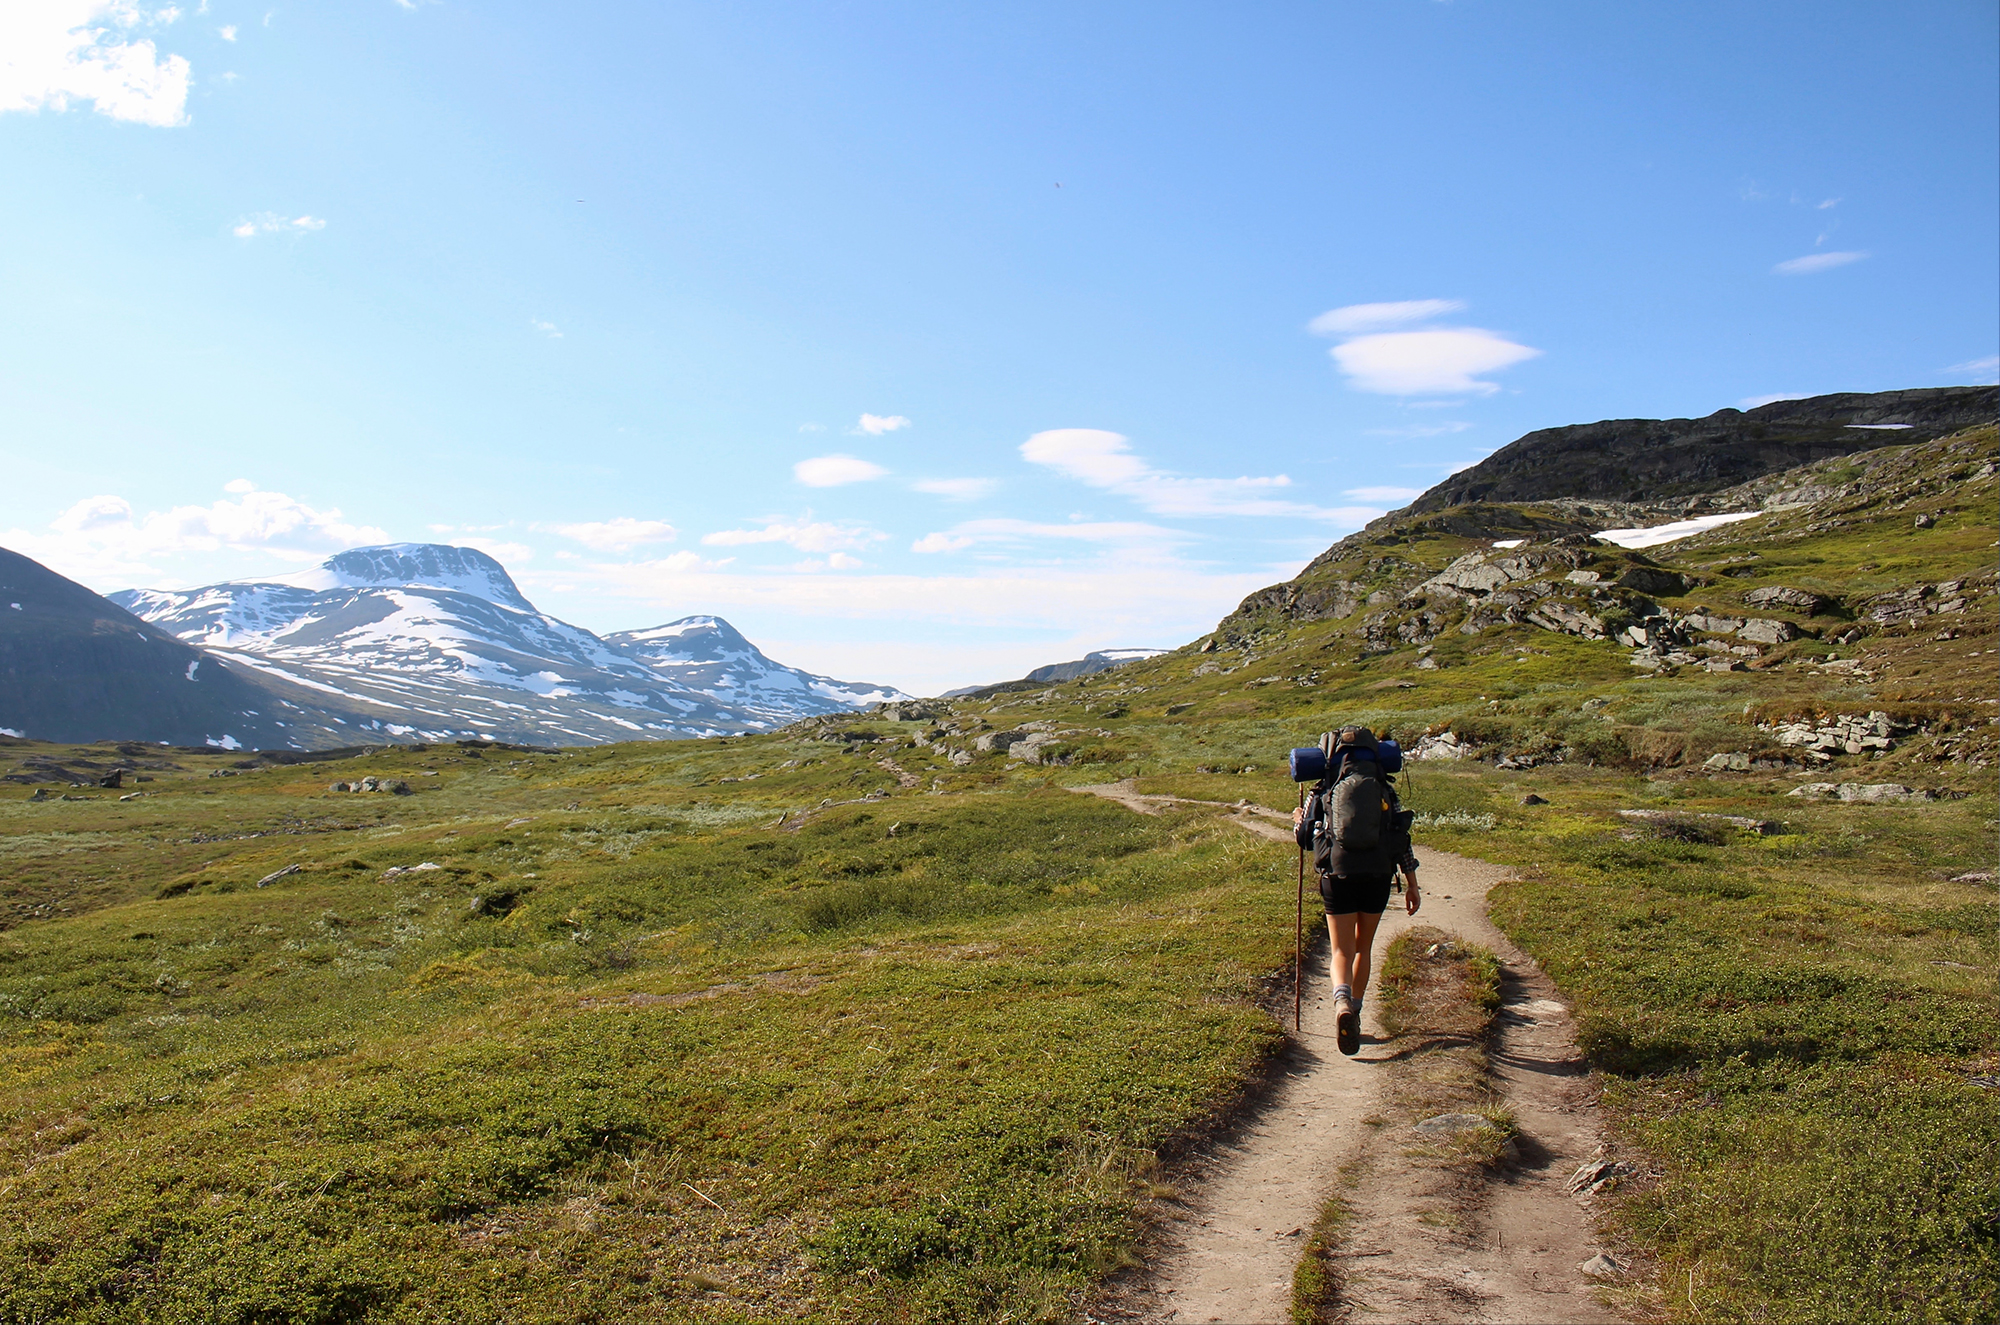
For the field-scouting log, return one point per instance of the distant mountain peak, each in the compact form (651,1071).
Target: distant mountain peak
(415,566)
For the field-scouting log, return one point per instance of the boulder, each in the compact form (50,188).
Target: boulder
(1713,625)
(1653,580)
(1733,762)
(1768,631)
(1778,595)
(1445,745)
(1875,793)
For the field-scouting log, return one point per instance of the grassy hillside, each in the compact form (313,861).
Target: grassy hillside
(860,1021)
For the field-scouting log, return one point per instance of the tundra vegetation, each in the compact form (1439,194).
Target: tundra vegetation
(859,1021)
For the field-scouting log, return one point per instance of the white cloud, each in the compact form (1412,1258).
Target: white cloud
(1752,402)
(228,32)
(270,223)
(1357,318)
(877,424)
(927,633)
(1813,262)
(239,485)
(957,489)
(1384,494)
(830,471)
(806,535)
(507,554)
(1984,371)
(546,328)
(973,532)
(1104,460)
(618,535)
(102,537)
(1441,361)
(53,52)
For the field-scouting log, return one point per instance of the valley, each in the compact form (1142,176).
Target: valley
(871,1016)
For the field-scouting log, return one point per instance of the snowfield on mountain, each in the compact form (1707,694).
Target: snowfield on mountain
(435,643)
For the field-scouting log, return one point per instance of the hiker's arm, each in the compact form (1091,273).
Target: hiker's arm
(1303,820)
(1412,895)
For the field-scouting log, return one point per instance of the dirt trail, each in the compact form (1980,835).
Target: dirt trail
(1510,1254)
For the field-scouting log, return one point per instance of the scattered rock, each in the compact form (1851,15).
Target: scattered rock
(1595,1175)
(1173,709)
(1733,762)
(1846,733)
(1876,793)
(394,786)
(1977,876)
(1532,799)
(131,795)
(1926,521)
(395,870)
(41,794)
(1653,580)
(1778,595)
(113,780)
(1602,1266)
(1768,631)
(1444,745)
(276,875)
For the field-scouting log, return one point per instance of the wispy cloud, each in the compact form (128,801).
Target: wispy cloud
(957,489)
(1445,361)
(1434,361)
(831,471)
(1813,262)
(1105,460)
(546,328)
(270,223)
(806,535)
(975,532)
(874,425)
(55,52)
(618,535)
(1983,371)
(1357,318)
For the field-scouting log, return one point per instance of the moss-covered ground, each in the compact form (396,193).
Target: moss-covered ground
(825,1025)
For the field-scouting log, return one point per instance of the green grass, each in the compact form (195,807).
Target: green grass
(665,1037)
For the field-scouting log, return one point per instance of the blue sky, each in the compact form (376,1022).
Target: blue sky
(930,343)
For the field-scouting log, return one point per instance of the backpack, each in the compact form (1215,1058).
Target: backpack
(1362,827)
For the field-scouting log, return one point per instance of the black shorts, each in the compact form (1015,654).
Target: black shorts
(1345,895)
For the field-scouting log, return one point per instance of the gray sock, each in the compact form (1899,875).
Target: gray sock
(1343,991)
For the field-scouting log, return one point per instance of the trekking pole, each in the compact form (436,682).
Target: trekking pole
(1298,937)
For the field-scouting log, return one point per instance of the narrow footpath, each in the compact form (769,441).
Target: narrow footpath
(1512,1254)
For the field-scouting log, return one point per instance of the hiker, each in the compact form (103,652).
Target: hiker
(1359,836)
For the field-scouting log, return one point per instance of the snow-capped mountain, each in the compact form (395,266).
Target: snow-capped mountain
(707,654)
(438,643)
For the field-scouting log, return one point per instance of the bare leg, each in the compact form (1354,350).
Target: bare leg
(1353,938)
(1364,948)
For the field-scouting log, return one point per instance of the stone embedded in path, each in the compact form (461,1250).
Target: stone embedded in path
(1602,1266)
(1453,1124)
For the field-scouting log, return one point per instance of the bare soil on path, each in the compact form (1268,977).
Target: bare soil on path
(1421,1244)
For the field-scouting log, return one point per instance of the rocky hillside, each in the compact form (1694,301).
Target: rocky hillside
(1653,461)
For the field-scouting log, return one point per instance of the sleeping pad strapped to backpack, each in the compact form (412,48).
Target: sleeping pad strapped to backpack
(1359,827)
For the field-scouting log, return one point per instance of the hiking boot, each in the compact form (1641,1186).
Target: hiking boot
(1346,1026)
